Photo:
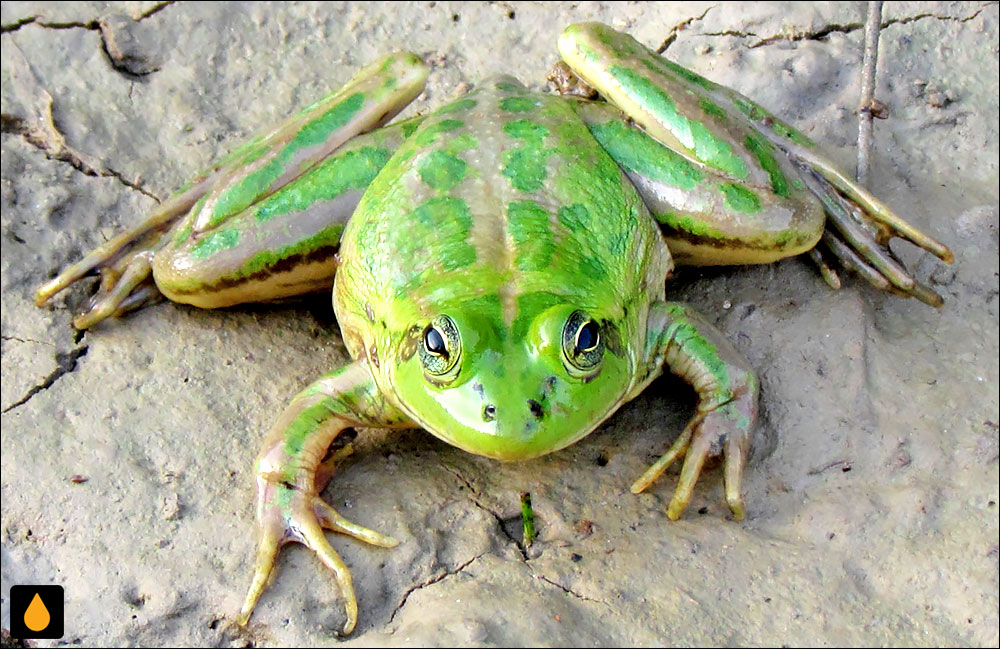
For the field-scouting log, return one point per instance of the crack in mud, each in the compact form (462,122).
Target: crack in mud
(431,581)
(465,481)
(124,63)
(568,591)
(500,520)
(817,35)
(26,340)
(519,544)
(75,24)
(679,27)
(66,363)
(956,19)
(502,524)
(55,148)
(14,26)
(833,28)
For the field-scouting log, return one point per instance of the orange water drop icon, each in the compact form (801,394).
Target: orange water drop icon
(36,616)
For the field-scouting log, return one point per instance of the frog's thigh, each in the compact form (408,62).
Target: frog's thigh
(706,218)
(717,223)
(281,246)
(255,256)
(720,189)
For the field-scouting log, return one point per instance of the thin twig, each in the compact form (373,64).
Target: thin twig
(872,27)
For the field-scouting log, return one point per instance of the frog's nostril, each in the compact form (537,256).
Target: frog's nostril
(536,409)
(489,412)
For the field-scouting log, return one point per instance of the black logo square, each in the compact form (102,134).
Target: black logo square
(36,612)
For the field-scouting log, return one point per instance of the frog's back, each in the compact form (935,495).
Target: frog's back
(505,197)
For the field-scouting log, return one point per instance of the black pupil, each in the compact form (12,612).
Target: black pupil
(434,342)
(588,337)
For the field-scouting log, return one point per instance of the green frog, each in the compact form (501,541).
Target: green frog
(498,265)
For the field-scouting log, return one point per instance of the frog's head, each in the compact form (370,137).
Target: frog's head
(512,390)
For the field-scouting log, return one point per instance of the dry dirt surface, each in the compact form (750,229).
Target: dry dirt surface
(127,451)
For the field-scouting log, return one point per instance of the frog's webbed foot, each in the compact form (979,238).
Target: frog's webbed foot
(859,228)
(123,263)
(287,514)
(727,404)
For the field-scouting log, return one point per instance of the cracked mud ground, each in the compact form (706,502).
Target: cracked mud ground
(127,452)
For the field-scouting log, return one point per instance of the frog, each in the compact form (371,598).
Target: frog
(498,266)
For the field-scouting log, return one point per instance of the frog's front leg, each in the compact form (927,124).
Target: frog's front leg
(291,474)
(727,401)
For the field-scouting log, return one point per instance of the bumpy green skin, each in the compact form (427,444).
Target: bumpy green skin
(508,257)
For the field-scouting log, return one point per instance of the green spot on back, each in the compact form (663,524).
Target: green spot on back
(525,129)
(739,198)
(525,167)
(532,234)
(409,127)
(575,218)
(508,86)
(451,218)
(427,136)
(461,104)
(518,104)
(441,170)
(463,142)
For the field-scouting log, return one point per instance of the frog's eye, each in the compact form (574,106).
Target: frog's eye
(583,345)
(440,346)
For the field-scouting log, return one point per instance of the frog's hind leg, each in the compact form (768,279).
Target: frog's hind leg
(186,244)
(728,182)
(284,245)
